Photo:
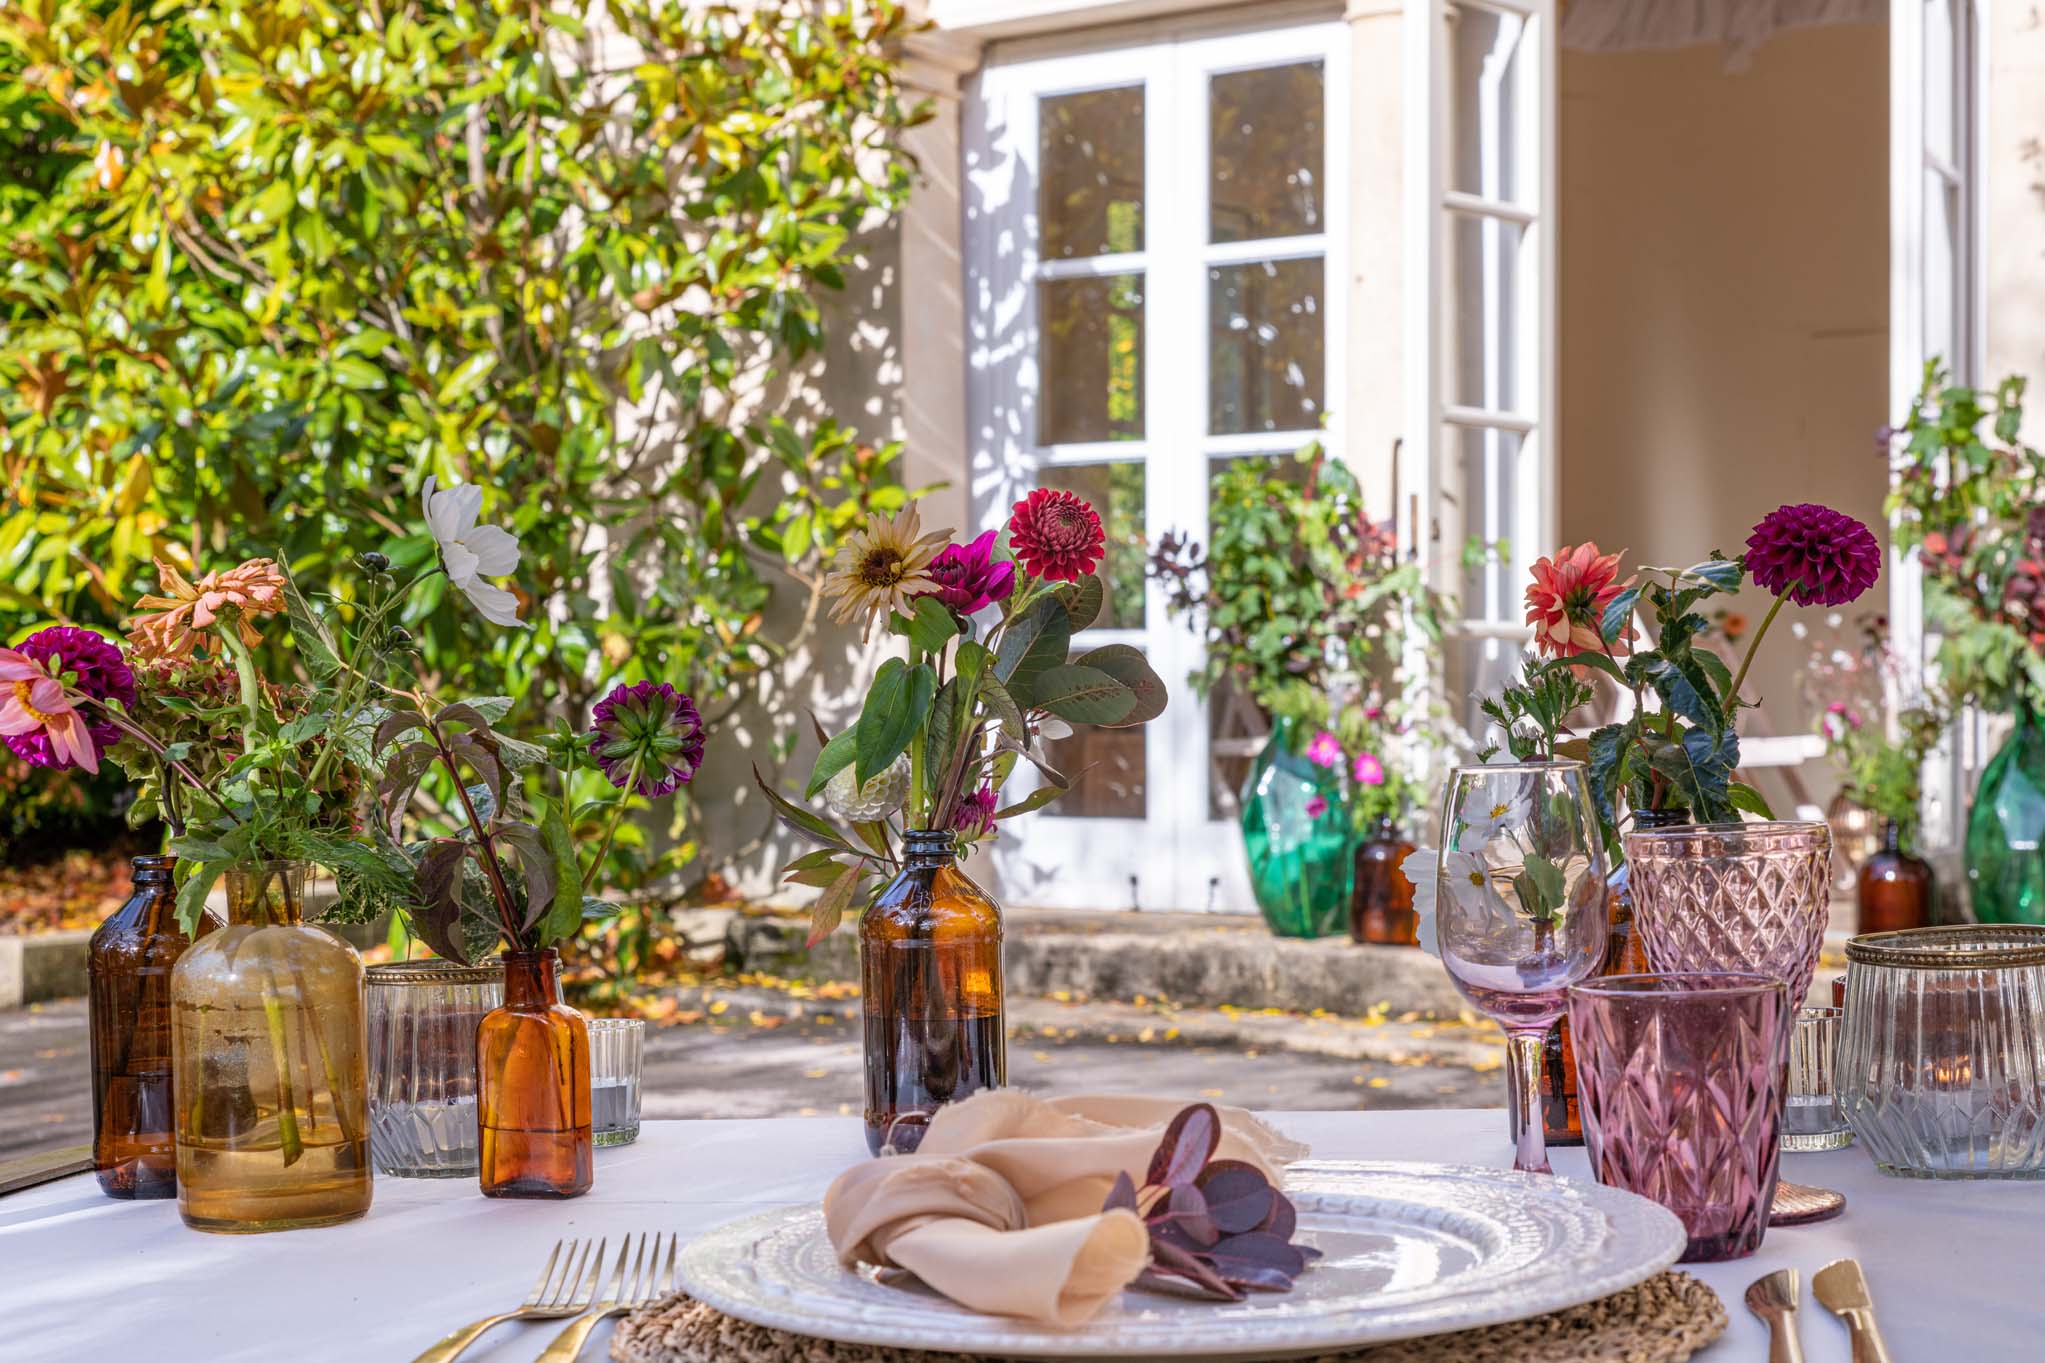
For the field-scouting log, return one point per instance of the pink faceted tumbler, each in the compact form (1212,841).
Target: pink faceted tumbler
(1681,1079)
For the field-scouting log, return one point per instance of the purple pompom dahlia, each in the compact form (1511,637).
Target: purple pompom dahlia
(1819,556)
(651,726)
(85,662)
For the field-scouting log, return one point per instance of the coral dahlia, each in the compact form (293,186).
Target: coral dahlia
(1566,601)
(1055,534)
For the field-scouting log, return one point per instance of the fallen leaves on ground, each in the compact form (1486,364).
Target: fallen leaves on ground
(77,889)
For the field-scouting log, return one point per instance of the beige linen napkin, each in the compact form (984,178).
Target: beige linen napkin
(1000,1207)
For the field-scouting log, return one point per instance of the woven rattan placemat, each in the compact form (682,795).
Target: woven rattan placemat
(1663,1320)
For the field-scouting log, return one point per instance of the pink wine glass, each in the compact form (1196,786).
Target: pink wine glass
(1519,908)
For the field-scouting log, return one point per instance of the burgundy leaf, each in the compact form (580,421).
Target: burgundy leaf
(1258,1278)
(1238,1197)
(1122,1195)
(1187,1146)
(1168,1258)
(1258,1249)
(1283,1218)
(1187,1208)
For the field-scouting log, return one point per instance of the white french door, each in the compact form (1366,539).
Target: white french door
(1936,71)
(1153,243)
(1480,319)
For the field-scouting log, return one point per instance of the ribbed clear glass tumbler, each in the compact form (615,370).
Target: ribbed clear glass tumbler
(1680,1081)
(1740,896)
(422,1019)
(617,1050)
(1942,1059)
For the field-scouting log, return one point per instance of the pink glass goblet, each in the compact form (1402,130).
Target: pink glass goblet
(1680,1079)
(1738,896)
(1519,909)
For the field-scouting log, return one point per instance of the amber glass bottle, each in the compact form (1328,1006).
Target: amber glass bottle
(1624,955)
(128,963)
(1895,888)
(532,1063)
(1381,901)
(268,1051)
(930,974)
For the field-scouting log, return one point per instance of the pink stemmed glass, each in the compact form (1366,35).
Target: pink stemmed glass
(1519,908)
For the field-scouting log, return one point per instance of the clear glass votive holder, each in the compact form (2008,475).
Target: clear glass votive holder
(421,1019)
(1812,1118)
(617,1049)
(1680,1081)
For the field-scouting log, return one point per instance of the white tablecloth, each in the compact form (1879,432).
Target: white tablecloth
(85,1279)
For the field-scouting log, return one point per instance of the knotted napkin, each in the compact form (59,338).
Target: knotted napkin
(1000,1207)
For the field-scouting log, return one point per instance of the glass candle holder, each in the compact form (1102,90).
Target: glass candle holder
(1811,1118)
(423,1017)
(617,1051)
(1942,1056)
(1680,1081)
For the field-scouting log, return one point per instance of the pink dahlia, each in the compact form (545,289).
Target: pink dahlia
(1818,556)
(41,724)
(651,727)
(1325,750)
(1055,534)
(1368,770)
(969,577)
(974,817)
(1566,601)
(1316,806)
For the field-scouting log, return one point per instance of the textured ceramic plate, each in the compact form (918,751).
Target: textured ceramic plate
(1410,1249)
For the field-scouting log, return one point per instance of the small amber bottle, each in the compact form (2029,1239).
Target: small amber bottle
(1381,902)
(128,965)
(1894,890)
(532,1066)
(931,992)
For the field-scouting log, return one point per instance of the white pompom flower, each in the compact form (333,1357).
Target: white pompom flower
(877,799)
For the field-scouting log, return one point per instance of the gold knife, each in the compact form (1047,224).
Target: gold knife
(1842,1288)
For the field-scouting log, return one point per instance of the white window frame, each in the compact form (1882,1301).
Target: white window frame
(1176,856)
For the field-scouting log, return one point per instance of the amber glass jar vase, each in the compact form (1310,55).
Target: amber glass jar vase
(931,992)
(1381,900)
(532,1062)
(268,1057)
(128,964)
(1894,890)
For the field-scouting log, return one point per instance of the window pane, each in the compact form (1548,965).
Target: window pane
(1486,59)
(1487,464)
(1112,786)
(1942,225)
(1472,668)
(1116,491)
(1484,313)
(1090,164)
(1265,153)
(1939,84)
(1266,345)
(1093,359)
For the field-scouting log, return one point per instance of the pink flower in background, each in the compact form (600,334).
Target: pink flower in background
(1368,770)
(1325,750)
(41,724)
(969,577)
(1316,807)
(1816,555)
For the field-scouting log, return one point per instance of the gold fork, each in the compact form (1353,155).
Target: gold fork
(550,1299)
(651,1280)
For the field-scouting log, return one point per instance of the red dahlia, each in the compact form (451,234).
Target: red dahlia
(1054,534)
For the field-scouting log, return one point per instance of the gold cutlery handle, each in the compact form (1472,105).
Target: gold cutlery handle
(450,1348)
(1784,1345)
(569,1342)
(1868,1346)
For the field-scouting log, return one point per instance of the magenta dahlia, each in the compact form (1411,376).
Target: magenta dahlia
(84,662)
(974,817)
(969,577)
(1055,534)
(650,727)
(1817,555)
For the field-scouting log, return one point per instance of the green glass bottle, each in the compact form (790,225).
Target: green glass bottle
(1296,834)
(2006,830)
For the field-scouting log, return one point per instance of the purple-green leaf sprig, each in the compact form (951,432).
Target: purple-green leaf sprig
(1218,1228)
(647,737)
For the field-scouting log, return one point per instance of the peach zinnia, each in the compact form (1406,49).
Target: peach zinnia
(252,588)
(1566,601)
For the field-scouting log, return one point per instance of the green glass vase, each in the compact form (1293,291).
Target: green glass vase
(2006,830)
(1296,834)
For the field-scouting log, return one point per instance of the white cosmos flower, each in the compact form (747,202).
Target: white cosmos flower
(471,552)
(1494,806)
(1469,885)
(1421,867)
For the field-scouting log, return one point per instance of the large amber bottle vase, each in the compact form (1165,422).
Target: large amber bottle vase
(532,1065)
(268,1055)
(931,992)
(128,967)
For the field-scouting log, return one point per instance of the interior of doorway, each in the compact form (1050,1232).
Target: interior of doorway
(1723,309)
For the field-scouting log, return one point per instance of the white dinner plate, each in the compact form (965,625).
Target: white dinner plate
(1409,1249)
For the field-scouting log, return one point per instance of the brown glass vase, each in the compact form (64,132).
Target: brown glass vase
(128,965)
(532,1063)
(931,993)
(1624,955)
(1894,890)
(1381,898)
